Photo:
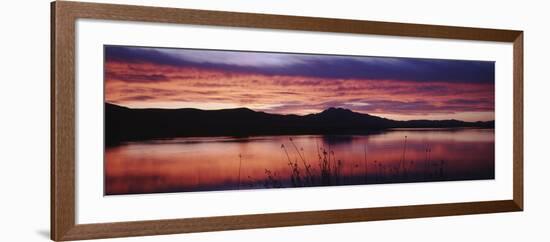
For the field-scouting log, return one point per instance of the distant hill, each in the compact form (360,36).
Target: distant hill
(125,124)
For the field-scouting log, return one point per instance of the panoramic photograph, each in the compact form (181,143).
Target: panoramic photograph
(190,120)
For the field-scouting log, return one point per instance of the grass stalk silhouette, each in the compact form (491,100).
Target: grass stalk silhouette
(427,161)
(309,177)
(402,163)
(240,163)
(295,178)
(331,168)
(365,161)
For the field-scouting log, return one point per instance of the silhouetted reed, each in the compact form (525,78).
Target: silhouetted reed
(427,161)
(308,179)
(402,162)
(324,166)
(330,169)
(365,161)
(295,177)
(240,163)
(272,180)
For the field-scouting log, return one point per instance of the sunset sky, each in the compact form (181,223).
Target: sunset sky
(396,88)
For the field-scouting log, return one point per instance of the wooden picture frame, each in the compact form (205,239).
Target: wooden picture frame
(63,19)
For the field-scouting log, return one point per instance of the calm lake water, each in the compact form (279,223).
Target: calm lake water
(228,163)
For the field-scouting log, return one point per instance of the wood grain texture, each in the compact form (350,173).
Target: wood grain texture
(143,228)
(518,120)
(233,19)
(53,161)
(63,123)
(64,16)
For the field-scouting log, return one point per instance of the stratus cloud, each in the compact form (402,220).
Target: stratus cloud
(317,66)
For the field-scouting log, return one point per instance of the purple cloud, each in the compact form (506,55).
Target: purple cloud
(309,65)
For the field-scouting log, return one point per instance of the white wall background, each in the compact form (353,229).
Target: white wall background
(24,120)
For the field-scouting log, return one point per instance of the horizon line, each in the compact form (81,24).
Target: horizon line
(301,115)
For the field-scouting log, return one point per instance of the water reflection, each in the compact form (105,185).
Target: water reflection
(225,163)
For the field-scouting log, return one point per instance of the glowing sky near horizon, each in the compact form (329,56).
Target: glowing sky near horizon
(396,88)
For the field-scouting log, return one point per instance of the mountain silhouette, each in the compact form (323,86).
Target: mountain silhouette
(126,124)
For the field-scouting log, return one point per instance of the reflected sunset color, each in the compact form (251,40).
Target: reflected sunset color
(205,164)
